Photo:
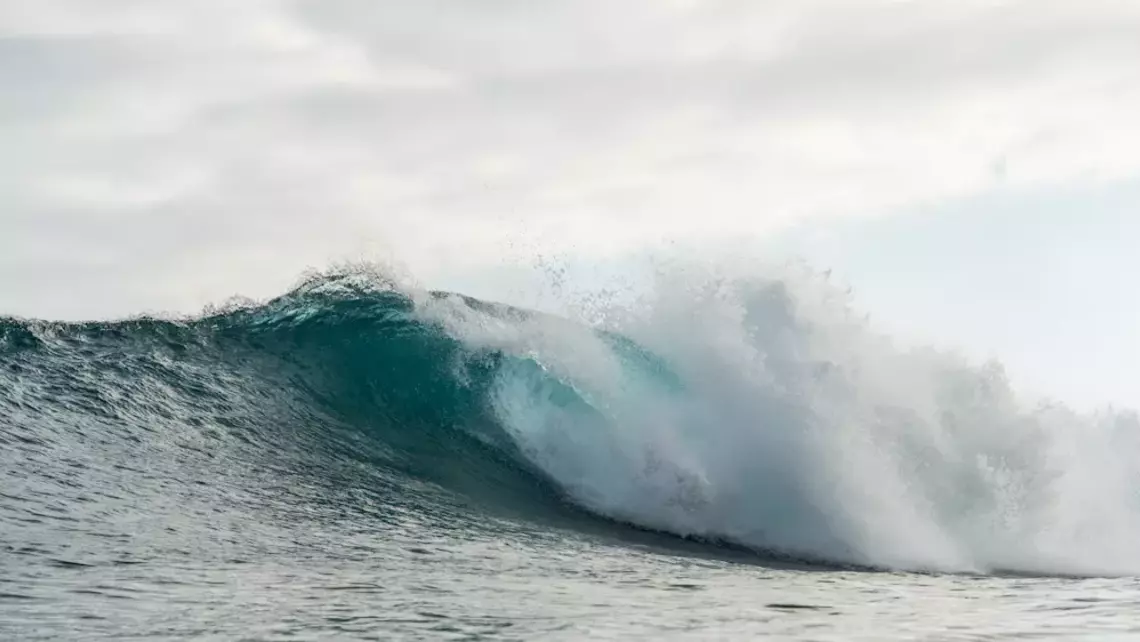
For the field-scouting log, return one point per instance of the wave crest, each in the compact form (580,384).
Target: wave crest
(754,409)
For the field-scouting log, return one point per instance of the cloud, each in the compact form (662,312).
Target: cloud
(168,153)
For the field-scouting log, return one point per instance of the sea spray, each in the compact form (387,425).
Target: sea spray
(790,425)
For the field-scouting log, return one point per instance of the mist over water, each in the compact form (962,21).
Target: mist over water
(763,408)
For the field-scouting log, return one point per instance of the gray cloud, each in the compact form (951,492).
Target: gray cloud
(184,151)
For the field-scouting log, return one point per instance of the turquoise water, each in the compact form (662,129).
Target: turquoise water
(355,460)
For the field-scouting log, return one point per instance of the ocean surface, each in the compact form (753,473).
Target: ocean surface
(726,457)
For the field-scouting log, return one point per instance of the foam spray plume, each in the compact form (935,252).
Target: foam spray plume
(762,409)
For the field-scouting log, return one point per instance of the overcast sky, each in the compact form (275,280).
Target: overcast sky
(972,167)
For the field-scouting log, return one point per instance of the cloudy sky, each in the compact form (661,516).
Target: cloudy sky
(971,166)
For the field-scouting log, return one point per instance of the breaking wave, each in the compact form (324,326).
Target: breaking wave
(758,411)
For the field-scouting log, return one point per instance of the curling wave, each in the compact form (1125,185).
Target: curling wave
(758,411)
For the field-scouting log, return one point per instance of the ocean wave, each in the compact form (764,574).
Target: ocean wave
(759,411)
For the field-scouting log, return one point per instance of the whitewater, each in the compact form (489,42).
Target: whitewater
(727,452)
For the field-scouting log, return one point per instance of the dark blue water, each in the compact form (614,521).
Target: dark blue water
(340,464)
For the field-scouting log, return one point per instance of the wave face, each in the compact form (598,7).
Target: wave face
(757,411)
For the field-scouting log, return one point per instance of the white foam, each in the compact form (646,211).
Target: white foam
(801,429)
